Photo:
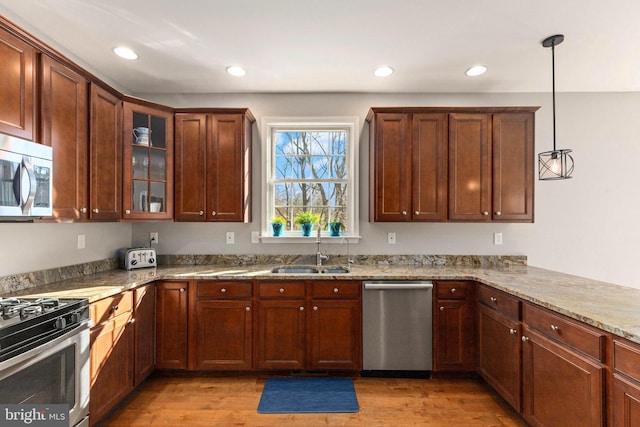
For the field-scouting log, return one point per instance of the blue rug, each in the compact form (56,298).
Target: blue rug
(306,395)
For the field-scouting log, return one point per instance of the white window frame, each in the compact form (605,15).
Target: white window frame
(269,125)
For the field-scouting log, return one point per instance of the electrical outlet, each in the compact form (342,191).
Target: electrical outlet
(497,238)
(391,238)
(255,237)
(153,237)
(231,237)
(81,241)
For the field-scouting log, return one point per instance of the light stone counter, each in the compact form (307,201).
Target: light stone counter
(613,308)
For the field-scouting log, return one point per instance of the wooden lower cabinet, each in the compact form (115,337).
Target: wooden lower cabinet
(335,335)
(281,334)
(111,361)
(499,346)
(144,299)
(626,383)
(171,324)
(454,343)
(222,339)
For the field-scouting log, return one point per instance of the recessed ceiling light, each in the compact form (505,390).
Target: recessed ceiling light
(125,52)
(476,70)
(236,71)
(383,71)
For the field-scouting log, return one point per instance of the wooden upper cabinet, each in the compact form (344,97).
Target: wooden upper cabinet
(213,165)
(513,167)
(17,86)
(64,125)
(105,155)
(469,167)
(408,162)
(147,173)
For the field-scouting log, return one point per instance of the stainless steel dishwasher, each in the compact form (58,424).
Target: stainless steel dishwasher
(397,327)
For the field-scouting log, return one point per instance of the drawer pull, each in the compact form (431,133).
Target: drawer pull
(513,331)
(115,307)
(555,328)
(132,321)
(301,309)
(336,290)
(223,290)
(494,300)
(453,290)
(282,290)
(525,339)
(182,290)
(315,308)
(247,309)
(441,308)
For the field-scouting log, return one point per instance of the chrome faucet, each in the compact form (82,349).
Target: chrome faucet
(349,260)
(319,255)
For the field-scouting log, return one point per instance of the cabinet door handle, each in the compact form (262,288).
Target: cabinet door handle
(214,213)
(453,290)
(201,213)
(96,210)
(223,290)
(301,309)
(416,213)
(115,307)
(247,309)
(315,308)
(404,213)
(555,328)
(132,321)
(513,331)
(498,213)
(127,212)
(336,290)
(282,290)
(494,300)
(441,308)
(524,339)
(83,210)
(485,213)
(182,290)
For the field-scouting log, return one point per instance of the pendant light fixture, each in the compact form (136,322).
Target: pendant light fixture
(556,164)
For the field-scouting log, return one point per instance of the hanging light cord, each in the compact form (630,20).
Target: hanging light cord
(553,86)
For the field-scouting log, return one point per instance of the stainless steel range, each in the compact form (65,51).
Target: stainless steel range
(44,355)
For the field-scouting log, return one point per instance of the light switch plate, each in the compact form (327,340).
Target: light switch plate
(231,237)
(391,238)
(81,241)
(497,238)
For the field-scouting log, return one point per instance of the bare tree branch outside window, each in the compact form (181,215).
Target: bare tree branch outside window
(311,175)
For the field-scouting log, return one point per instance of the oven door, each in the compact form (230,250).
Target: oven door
(54,373)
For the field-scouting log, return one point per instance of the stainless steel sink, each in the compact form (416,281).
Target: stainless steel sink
(336,269)
(295,269)
(307,269)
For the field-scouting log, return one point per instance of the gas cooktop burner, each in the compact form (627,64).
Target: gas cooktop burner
(28,322)
(12,307)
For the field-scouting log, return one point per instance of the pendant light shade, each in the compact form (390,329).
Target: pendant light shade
(555,164)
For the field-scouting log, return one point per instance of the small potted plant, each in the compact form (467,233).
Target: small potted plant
(277,223)
(306,221)
(334,229)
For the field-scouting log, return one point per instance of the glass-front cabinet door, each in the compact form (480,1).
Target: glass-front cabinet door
(148,162)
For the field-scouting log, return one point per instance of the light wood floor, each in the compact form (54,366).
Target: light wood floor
(187,400)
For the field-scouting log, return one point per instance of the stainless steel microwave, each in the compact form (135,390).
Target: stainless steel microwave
(26,179)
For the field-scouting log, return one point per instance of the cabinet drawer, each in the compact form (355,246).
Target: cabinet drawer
(626,359)
(224,289)
(281,289)
(500,301)
(557,327)
(336,289)
(452,289)
(108,308)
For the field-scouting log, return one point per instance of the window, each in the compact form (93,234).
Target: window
(309,165)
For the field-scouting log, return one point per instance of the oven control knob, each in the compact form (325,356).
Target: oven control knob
(59,323)
(75,317)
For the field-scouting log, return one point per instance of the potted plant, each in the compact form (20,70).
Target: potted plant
(334,229)
(277,223)
(306,221)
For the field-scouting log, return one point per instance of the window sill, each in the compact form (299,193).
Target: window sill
(310,240)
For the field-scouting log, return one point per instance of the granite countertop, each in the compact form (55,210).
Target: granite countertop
(610,307)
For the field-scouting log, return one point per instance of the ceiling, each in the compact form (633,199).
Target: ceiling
(334,45)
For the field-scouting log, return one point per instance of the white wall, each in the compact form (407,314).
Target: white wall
(29,247)
(584,226)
